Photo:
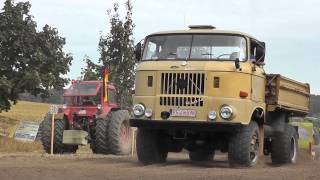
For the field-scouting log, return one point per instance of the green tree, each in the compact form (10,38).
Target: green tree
(116,49)
(117,54)
(30,61)
(90,71)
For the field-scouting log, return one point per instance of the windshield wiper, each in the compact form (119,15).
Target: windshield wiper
(207,54)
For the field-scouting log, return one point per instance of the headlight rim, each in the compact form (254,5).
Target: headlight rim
(231,112)
(142,112)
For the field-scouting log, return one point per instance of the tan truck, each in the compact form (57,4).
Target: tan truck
(204,90)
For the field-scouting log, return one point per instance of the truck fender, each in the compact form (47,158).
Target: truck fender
(258,115)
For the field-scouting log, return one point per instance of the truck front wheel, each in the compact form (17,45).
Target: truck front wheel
(152,147)
(244,146)
(284,146)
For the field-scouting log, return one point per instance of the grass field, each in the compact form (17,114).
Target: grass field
(22,111)
(27,111)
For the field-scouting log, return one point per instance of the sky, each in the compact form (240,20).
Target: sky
(290,28)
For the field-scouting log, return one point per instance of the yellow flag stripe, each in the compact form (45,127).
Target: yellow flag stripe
(105,86)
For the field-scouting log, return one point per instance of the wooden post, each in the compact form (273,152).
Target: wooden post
(133,143)
(52,134)
(261,140)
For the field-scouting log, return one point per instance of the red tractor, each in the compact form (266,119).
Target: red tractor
(90,107)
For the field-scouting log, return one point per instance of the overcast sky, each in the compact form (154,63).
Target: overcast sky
(290,28)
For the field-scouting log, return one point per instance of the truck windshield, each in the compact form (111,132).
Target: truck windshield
(195,47)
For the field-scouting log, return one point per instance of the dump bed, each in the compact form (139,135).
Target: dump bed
(286,94)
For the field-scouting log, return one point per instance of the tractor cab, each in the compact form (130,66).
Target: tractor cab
(84,100)
(83,93)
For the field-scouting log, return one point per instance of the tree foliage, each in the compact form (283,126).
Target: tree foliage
(89,73)
(30,60)
(117,54)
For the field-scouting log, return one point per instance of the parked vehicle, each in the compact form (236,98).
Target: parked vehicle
(90,113)
(205,89)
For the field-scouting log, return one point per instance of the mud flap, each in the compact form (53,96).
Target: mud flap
(75,137)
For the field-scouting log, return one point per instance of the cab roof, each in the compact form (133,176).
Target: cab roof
(203,29)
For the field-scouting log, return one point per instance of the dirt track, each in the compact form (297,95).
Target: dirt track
(87,166)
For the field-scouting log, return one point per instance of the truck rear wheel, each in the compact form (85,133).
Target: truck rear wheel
(284,146)
(244,146)
(202,154)
(119,133)
(59,126)
(101,144)
(151,146)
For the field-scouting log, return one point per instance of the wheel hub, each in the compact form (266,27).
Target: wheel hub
(254,148)
(125,134)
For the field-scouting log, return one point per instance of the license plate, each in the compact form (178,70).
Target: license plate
(82,112)
(183,112)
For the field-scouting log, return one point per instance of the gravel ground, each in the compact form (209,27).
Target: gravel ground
(88,166)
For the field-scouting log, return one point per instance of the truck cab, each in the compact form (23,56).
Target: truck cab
(202,89)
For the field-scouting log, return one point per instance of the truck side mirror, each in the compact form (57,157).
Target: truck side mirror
(261,48)
(138,51)
(237,64)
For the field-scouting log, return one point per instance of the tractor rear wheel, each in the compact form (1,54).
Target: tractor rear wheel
(284,146)
(59,126)
(101,145)
(119,133)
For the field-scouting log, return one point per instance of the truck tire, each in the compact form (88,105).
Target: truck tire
(101,144)
(119,133)
(59,126)
(284,146)
(243,147)
(151,146)
(202,154)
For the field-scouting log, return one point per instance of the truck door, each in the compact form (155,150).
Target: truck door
(258,73)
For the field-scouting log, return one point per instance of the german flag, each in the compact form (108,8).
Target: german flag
(105,85)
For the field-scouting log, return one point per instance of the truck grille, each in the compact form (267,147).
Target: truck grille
(181,101)
(182,83)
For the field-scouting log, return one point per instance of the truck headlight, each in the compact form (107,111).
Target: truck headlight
(148,112)
(226,112)
(138,109)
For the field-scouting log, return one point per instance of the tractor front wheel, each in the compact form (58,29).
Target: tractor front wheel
(59,126)
(101,145)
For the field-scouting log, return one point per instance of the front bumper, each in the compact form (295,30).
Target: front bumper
(186,125)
